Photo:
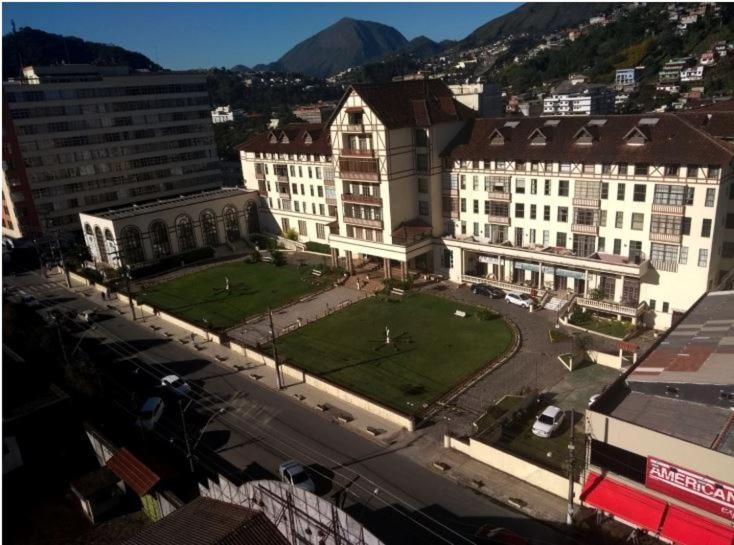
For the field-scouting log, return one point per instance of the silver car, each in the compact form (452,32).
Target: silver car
(519,299)
(293,473)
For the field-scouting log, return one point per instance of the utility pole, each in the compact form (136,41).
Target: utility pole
(571,457)
(127,276)
(278,382)
(189,453)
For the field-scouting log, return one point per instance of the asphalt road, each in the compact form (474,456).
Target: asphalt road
(400,500)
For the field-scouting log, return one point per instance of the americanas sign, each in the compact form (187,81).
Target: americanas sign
(695,489)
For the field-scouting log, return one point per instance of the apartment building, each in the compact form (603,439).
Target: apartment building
(81,137)
(618,211)
(484,98)
(661,441)
(579,98)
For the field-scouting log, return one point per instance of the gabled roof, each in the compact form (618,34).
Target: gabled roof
(205,521)
(673,139)
(294,138)
(415,103)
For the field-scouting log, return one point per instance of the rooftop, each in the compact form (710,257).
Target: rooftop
(294,138)
(169,202)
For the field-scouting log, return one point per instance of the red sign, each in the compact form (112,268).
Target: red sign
(695,489)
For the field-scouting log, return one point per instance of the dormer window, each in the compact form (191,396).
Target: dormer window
(307,138)
(355,118)
(537,138)
(496,138)
(584,136)
(273,139)
(284,139)
(636,137)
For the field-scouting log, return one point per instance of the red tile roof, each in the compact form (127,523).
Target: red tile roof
(673,139)
(205,521)
(295,141)
(135,473)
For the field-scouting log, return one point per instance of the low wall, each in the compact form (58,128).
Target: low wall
(512,465)
(184,325)
(607,360)
(83,280)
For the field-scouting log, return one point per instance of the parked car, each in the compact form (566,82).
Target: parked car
(519,299)
(487,291)
(593,399)
(293,473)
(177,384)
(28,300)
(86,316)
(548,421)
(493,535)
(151,412)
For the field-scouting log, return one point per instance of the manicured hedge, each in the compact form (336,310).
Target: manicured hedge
(318,247)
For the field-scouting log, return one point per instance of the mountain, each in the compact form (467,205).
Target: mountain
(240,68)
(423,47)
(42,48)
(536,19)
(347,43)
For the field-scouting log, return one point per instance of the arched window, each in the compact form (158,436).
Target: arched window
(87,229)
(231,223)
(159,240)
(209,228)
(131,245)
(100,244)
(185,233)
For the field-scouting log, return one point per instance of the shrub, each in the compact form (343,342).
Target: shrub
(318,247)
(91,274)
(596,294)
(263,242)
(391,283)
(278,258)
(173,261)
(486,315)
(291,234)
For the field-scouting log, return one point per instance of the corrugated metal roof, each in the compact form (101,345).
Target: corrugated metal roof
(135,473)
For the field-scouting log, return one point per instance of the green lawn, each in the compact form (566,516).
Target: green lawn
(611,326)
(431,350)
(253,288)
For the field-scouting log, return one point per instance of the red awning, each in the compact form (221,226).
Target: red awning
(685,528)
(624,502)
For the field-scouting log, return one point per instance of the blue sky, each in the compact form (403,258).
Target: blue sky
(192,35)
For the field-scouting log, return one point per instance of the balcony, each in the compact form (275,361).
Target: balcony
(672,209)
(348,152)
(453,191)
(359,169)
(582,229)
(499,196)
(354,128)
(329,183)
(364,222)
(452,213)
(259,175)
(586,203)
(282,177)
(361,199)
(283,190)
(331,201)
(664,266)
(612,307)
(502,220)
(672,238)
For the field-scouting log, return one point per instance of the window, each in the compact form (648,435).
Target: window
(683,257)
(208,223)
(159,239)
(476,229)
(531,236)
(563,188)
(546,213)
(423,208)
(667,225)
(313,208)
(475,182)
(714,171)
(617,247)
(131,245)
(664,252)
(318,173)
(605,190)
(546,237)
(422,185)
(585,216)
(639,192)
(519,210)
(652,304)
(690,191)
(563,214)
(297,206)
(622,169)
(311,189)
(475,206)
(294,188)
(729,224)
(668,194)
(534,186)
(462,181)
(319,191)
(620,192)
(547,188)
(463,205)
(686,226)
(692,171)
(619,220)
(447,259)
(561,240)
(292,168)
(486,207)
(520,186)
(671,170)
(706,228)
(302,230)
(638,221)
(666,306)
(601,244)
(606,168)
(586,189)
(727,250)
(710,196)
(320,231)
(565,167)
(641,169)
(533,211)
(703,257)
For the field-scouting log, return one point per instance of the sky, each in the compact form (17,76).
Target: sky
(201,35)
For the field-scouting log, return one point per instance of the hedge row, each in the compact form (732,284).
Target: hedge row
(318,247)
(172,262)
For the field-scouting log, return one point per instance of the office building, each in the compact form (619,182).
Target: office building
(574,97)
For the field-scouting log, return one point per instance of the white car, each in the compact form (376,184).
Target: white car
(520,299)
(548,421)
(177,384)
(86,316)
(151,412)
(293,473)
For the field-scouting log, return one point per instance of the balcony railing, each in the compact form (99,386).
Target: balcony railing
(409,241)
(505,286)
(259,175)
(331,201)
(354,128)
(363,222)
(584,229)
(586,203)
(666,237)
(665,266)
(359,169)
(502,220)
(329,183)
(499,196)
(612,307)
(361,199)
(449,190)
(673,209)
(350,152)
(282,177)
(283,189)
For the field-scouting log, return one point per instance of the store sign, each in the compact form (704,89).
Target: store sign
(693,488)
(492,260)
(570,274)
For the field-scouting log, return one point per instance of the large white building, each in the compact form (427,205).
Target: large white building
(579,98)
(81,137)
(627,207)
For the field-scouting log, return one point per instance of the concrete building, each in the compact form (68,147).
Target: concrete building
(225,114)
(661,454)
(626,79)
(631,207)
(670,72)
(314,113)
(694,73)
(483,98)
(574,97)
(136,234)
(80,137)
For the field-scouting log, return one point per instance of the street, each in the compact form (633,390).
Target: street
(400,500)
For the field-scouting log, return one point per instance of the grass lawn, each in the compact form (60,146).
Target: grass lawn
(612,327)
(431,350)
(253,288)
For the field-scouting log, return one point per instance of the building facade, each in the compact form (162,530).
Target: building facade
(483,98)
(137,234)
(579,98)
(617,211)
(79,137)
